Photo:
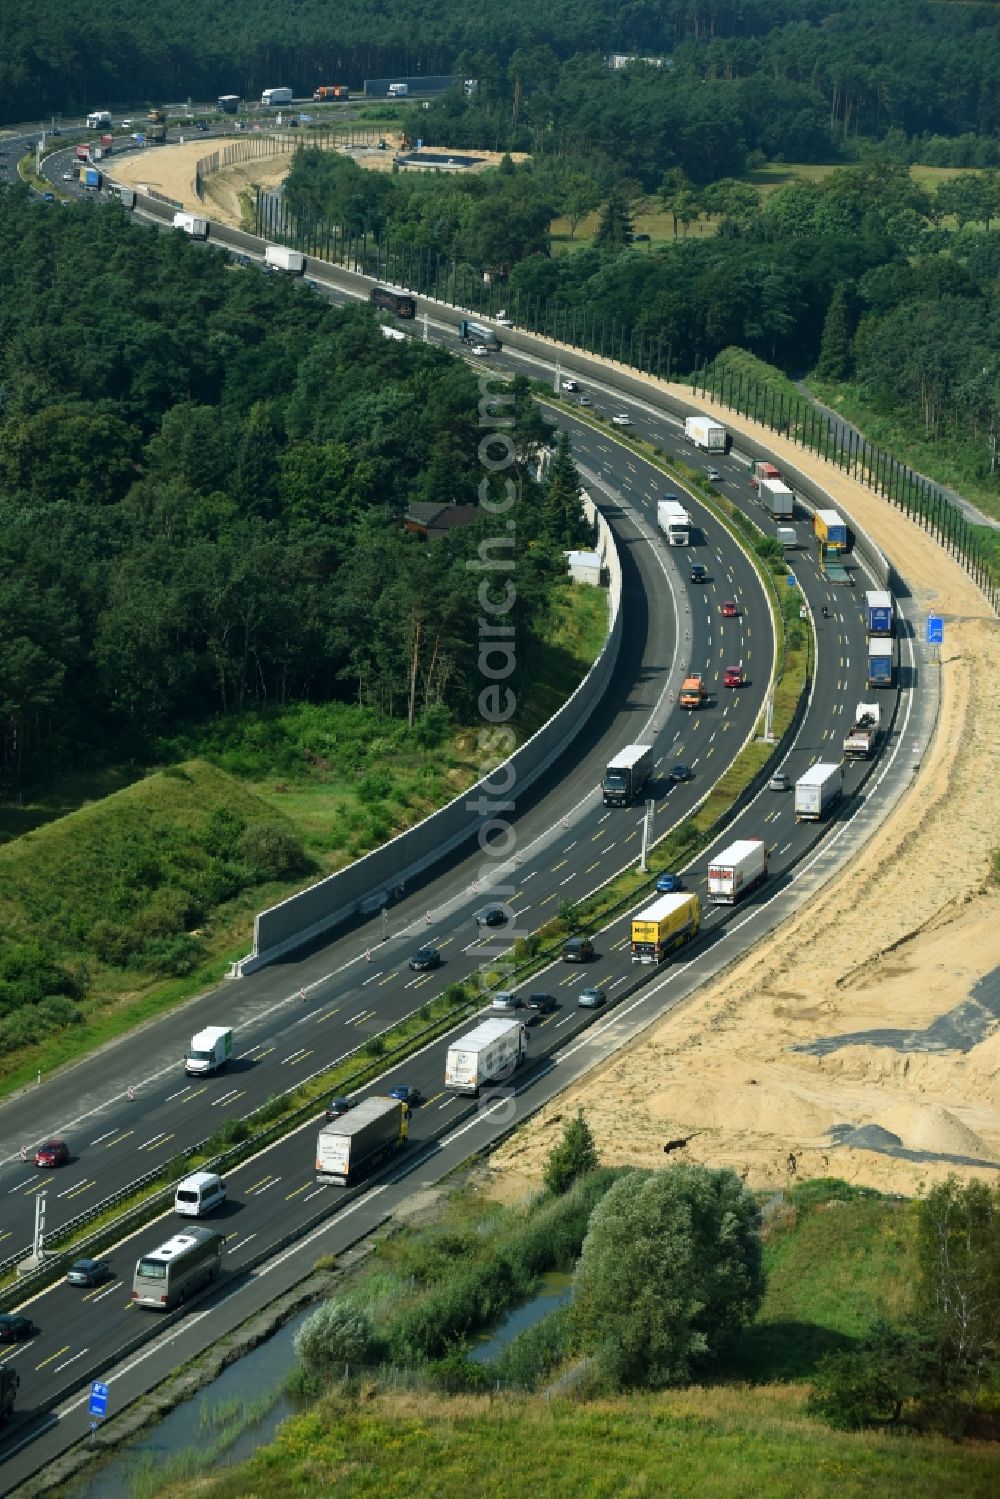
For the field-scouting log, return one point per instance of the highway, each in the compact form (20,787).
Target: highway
(569,844)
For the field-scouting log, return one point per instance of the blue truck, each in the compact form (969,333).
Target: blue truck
(90,179)
(878,612)
(880,663)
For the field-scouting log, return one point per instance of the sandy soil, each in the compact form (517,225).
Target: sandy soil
(723,1069)
(171,169)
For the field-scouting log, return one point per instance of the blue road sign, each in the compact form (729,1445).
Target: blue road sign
(935,629)
(792,580)
(98,1399)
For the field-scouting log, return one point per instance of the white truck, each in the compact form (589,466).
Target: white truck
(737,870)
(210,1050)
(361,1140)
(100,119)
(398,90)
(488,1054)
(777,498)
(861,740)
(674,521)
(817,790)
(788,536)
(706,433)
(281,258)
(272,97)
(192,223)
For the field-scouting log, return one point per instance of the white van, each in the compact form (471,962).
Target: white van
(198,1194)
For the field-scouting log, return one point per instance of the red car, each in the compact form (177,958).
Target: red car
(52,1153)
(733,676)
(729,610)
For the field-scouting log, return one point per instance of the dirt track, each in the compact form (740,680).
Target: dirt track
(722,1067)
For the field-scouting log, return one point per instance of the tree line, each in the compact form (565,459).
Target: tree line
(204,474)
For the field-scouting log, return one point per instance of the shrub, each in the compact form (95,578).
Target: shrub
(375,786)
(534,1353)
(574,1156)
(113,943)
(270,851)
(338,1333)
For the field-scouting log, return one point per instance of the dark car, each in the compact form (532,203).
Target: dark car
(591,999)
(201,124)
(491,916)
(337,1107)
(780,782)
(541,1004)
(52,1153)
(699,572)
(680,773)
(406,1094)
(48,197)
(667,883)
(425,958)
(87,1272)
(577,950)
(14,1327)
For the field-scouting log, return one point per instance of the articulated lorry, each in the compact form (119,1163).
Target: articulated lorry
(737,870)
(90,179)
(674,521)
(627,774)
(777,499)
(830,530)
(664,926)
(488,1054)
(327,91)
(361,1139)
(706,433)
(817,790)
(281,258)
(192,223)
(210,1050)
(879,612)
(763,470)
(881,663)
(471,332)
(399,302)
(860,741)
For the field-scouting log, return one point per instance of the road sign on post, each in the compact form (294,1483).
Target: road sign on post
(98,1399)
(935,629)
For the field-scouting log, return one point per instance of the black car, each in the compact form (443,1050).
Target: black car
(699,572)
(577,950)
(491,916)
(14,1328)
(336,1107)
(425,958)
(680,773)
(87,1272)
(542,1004)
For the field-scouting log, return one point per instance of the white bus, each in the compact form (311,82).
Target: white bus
(274,96)
(168,1275)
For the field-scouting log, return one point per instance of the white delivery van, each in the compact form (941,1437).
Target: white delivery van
(198,1194)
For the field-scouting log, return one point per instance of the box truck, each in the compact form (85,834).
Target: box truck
(664,926)
(399,302)
(628,772)
(488,1054)
(788,536)
(674,521)
(272,97)
(99,120)
(90,179)
(737,870)
(398,90)
(281,258)
(817,790)
(192,223)
(706,433)
(777,499)
(361,1139)
(860,741)
(878,612)
(210,1050)
(692,693)
(831,530)
(880,663)
(763,471)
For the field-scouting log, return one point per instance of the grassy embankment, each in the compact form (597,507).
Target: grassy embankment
(834,1258)
(307,770)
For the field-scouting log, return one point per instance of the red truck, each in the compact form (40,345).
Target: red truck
(83,153)
(763,471)
(107,144)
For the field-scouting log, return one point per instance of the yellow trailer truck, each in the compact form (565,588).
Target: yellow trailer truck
(665,925)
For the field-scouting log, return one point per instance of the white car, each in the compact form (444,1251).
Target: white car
(622,419)
(570,385)
(67,176)
(503,320)
(479,349)
(714,477)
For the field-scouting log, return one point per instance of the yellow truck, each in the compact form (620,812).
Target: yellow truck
(692,694)
(667,924)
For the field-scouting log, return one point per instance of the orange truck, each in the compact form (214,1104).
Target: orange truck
(329,91)
(692,693)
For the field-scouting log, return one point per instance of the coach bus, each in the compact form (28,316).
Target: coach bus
(167,1276)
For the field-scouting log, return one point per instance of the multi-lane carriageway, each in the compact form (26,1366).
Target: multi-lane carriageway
(569,844)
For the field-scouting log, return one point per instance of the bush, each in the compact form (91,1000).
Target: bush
(535,1352)
(172,957)
(374,786)
(270,851)
(574,1156)
(338,1333)
(870,1386)
(113,943)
